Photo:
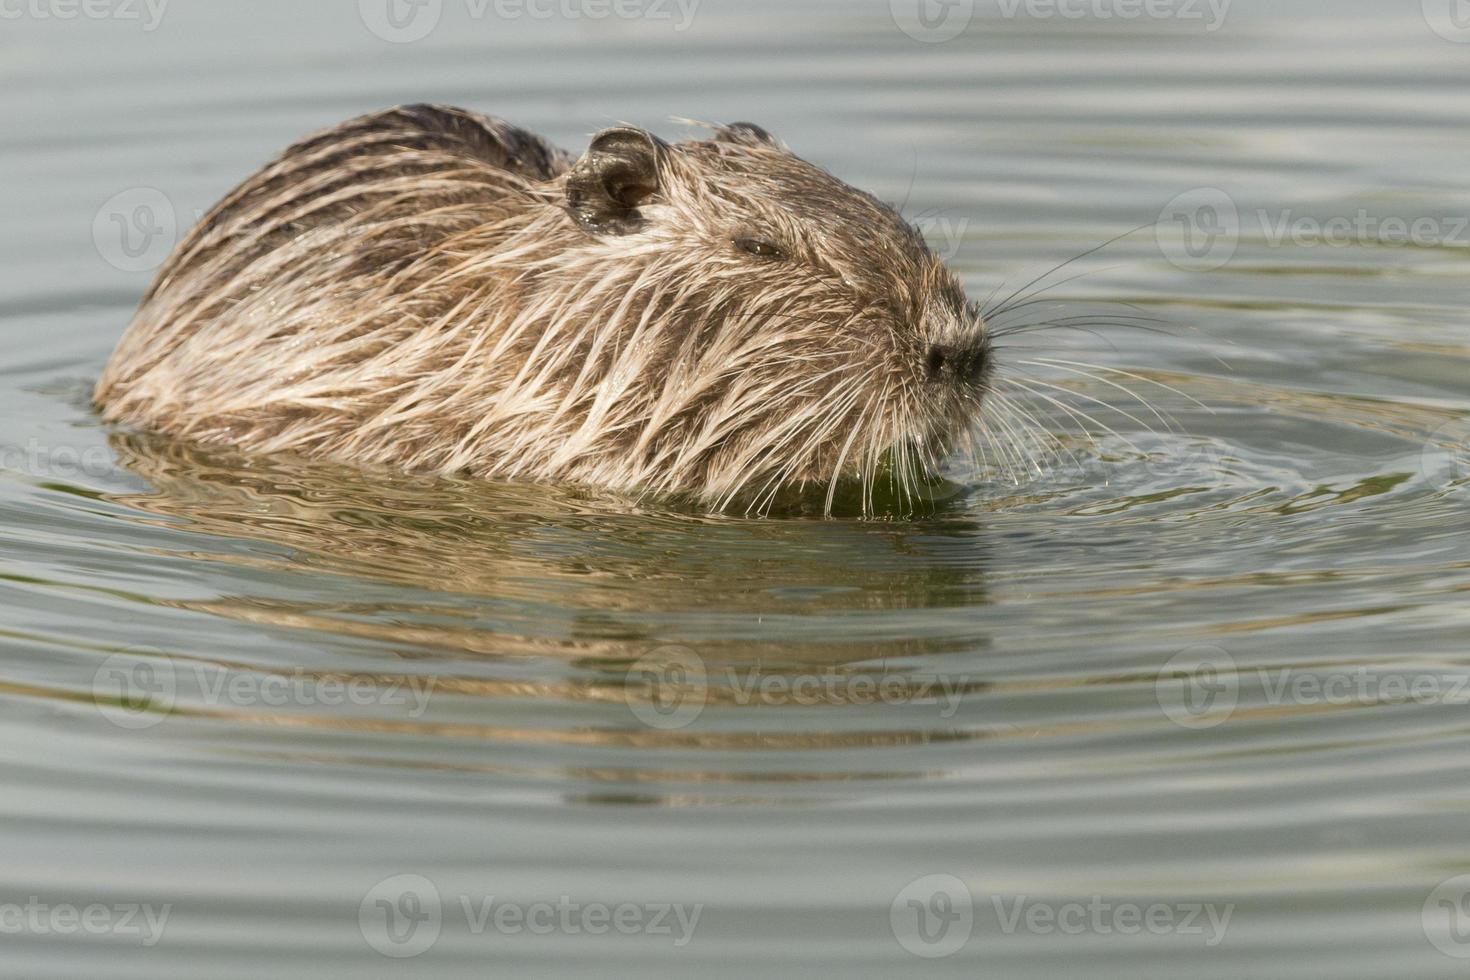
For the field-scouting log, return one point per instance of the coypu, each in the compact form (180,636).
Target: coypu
(429,288)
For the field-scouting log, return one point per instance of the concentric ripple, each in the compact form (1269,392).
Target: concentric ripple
(1171,680)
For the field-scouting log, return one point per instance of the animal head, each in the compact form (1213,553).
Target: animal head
(788,328)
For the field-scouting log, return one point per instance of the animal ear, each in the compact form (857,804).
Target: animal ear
(747,134)
(619,171)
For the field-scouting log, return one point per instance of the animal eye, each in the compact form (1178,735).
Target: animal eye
(755,246)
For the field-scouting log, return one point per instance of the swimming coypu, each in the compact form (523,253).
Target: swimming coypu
(433,289)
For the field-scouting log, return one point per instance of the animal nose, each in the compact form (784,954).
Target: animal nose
(956,362)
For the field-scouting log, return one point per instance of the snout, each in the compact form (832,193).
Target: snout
(965,362)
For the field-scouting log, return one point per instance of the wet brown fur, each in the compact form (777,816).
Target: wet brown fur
(437,290)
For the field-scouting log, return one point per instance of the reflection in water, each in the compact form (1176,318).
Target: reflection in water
(488,579)
(494,540)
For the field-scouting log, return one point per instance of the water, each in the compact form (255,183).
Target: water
(1191,701)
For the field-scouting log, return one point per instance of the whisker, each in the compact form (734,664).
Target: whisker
(1166,423)
(1137,377)
(1076,258)
(1039,296)
(1078,412)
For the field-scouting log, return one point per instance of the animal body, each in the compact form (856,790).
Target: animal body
(434,289)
